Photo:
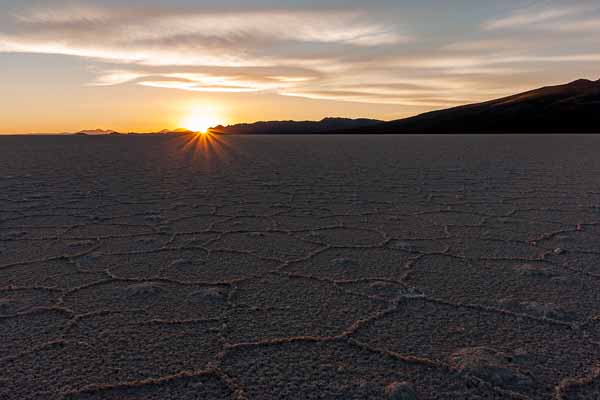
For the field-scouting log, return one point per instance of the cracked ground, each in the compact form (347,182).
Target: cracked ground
(300,267)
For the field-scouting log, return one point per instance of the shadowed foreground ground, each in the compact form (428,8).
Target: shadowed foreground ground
(441,267)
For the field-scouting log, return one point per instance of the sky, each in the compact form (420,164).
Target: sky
(148,65)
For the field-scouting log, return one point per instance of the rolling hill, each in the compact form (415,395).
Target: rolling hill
(326,125)
(569,108)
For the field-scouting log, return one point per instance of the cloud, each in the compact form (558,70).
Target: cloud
(496,64)
(154,37)
(526,18)
(203,50)
(57,16)
(116,77)
(238,39)
(208,79)
(329,54)
(195,87)
(425,91)
(378,98)
(581,26)
(491,44)
(553,18)
(429,81)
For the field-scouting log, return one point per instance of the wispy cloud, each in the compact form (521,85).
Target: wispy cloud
(205,79)
(329,54)
(204,50)
(492,63)
(543,17)
(581,26)
(238,39)
(157,38)
(531,17)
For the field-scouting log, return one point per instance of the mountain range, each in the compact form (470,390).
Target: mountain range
(570,108)
(92,132)
(297,127)
(104,132)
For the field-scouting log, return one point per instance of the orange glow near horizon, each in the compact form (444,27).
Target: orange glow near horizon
(200,121)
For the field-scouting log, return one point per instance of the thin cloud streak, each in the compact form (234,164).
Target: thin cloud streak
(561,18)
(527,18)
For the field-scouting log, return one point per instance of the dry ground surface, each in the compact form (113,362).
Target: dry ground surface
(300,267)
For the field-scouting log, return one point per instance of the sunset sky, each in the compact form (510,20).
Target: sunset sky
(149,65)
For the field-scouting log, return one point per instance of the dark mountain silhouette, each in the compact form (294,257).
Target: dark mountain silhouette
(108,132)
(87,132)
(296,127)
(174,131)
(570,108)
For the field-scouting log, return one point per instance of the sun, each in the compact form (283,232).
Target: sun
(200,123)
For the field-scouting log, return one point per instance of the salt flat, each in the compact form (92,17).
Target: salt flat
(300,267)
